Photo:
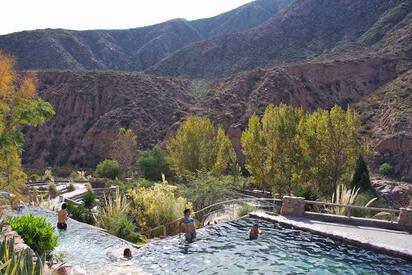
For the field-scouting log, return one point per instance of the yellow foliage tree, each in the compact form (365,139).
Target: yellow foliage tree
(124,149)
(19,107)
(195,147)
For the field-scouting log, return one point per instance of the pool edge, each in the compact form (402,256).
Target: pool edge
(382,249)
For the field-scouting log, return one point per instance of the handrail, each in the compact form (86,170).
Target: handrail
(396,211)
(210,206)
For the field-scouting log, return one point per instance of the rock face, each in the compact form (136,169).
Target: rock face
(90,108)
(387,118)
(132,49)
(397,194)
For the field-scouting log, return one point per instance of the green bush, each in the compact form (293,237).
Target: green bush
(71,187)
(76,212)
(109,169)
(136,183)
(245,209)
(89,200)
(153,163)
(52,190)
(36,232)
(361,178)
(205,190)
(12,262)
(386,169)
(34,177)
(306,192)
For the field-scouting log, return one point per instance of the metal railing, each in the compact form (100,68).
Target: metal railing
(171,228)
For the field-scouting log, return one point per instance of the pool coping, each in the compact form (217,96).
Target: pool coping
(283,220)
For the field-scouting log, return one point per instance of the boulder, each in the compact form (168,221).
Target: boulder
(397,194)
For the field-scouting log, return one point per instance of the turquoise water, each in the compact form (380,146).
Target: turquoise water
(224,249)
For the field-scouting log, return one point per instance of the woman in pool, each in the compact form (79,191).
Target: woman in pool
(189,226)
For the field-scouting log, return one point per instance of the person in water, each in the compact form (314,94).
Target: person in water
(62,217)
(189,226)
(254,232)
(127,253)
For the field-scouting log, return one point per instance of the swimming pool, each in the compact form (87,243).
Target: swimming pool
(224,249)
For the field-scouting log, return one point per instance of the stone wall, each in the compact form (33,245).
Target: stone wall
(292,206)
(405,218)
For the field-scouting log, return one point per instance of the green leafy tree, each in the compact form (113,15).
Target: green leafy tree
(109,169)
(153,163)
(224,154)
(361,177)
(19,107)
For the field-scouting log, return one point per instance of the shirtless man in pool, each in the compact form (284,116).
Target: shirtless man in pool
(62,217)
(189,226)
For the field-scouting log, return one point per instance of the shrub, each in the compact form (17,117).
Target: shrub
(52,190)
(114,218)
(153,163)
(109,169)
(78,175)
(89,187)
(306,192)
(386,169)
(76,212)
(48,175)
(89,200)
(206,190)
(36,232)
(361,178)
(136,183)
(155,206)
(345,196)
(71,187)
(12,262)
(34,177)
(245,209)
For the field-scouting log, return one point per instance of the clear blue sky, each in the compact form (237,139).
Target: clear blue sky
(18,15)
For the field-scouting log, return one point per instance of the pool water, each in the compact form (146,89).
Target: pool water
(224,249)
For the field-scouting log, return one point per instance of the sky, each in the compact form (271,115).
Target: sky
(18,15)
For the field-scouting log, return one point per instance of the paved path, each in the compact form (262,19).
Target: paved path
(397,243)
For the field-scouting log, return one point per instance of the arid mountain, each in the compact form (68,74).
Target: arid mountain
(305,30)
(387,118)
(310,53)
(129,50)
(91,106)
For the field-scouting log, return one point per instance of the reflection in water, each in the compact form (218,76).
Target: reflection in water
(223,249)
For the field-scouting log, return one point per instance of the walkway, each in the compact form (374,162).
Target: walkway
(397,243)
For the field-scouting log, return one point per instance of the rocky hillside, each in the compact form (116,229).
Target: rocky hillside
(130,50)
(91,106)
(387,120)
(305,30)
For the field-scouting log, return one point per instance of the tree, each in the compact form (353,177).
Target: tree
(153,163)
(361,177)
(124,149)
(290,147)
(19,107)
(386,169)
(254,148)
(109,169)
(195,147)
(224,154)
(284,154)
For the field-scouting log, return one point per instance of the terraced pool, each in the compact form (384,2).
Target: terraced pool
(224,249)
